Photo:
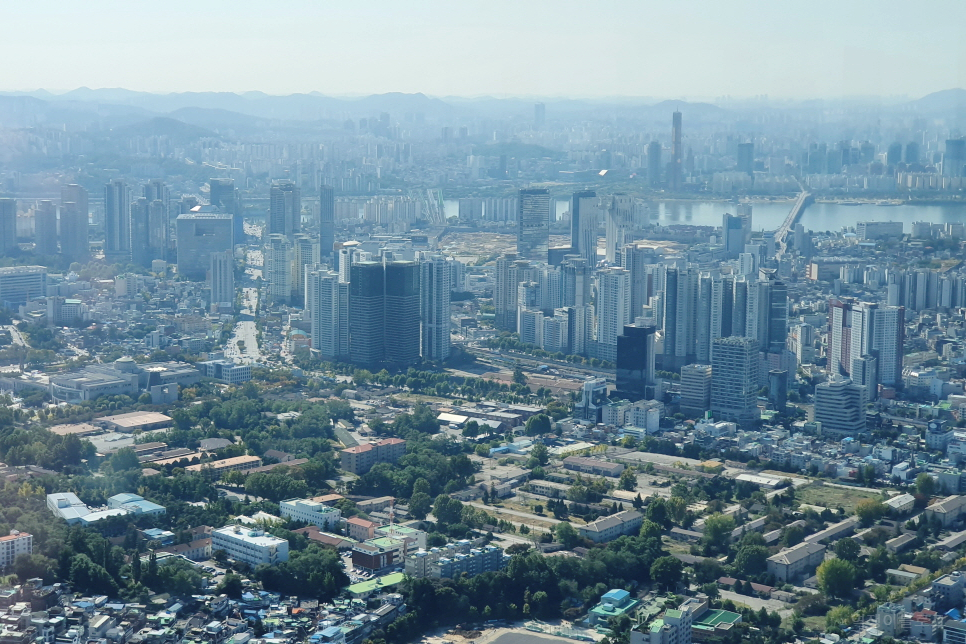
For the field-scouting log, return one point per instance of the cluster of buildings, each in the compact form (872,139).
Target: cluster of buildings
(66,506)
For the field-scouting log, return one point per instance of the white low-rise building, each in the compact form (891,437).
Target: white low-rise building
(250,545)
(313,512)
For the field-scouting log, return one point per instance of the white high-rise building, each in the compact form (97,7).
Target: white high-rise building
(619,223)
(305,253)
(327,305)
(613,305)
(221,278)
(747,264)
(278,267)
(435,273)
(734,380)
(839,406)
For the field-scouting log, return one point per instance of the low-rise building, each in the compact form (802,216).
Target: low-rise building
(609,528)
(797,562)
(226,465)
(360,529)
(456,559)
(613,603)
(225,371)
(593,466)
(359,459)
(67,506)
(310,512)
(948,511)
(252,546)
(14,544)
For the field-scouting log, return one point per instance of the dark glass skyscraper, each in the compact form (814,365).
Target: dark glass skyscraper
(533,224)
(117,221)
(384,313)
(285,209)
(635,361)
(677,153)
(74,244)
(589,198)
(223,194)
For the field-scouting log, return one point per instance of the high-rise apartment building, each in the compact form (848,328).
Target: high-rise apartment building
(45,228)
(613,308)
(117,221)
(641,263)
(434,301)
(327,305)
(8,224)
(734,380)
(74,224)
(284,209)
(533,224)
(140,234)
(200,234)
(510,271)
(859,329)
(618,224)
(221,278)
(326,221)
(278,257)
(305,253)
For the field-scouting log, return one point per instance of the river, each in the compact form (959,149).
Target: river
(768,215)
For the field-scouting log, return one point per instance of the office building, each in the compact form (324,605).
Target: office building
(695,389)
(249,545)
(533,224)
(221,278)
(384,313)
(359,459)
(732,234)
(746,158)
(45,228)
(225,371)
(117,221)
(434,303)
(326,221)
(677,153)
(954,158)
(654,164)
(285,209)
(327,306)
(510,271)
(200,234)
(311,512)
(868,230)
(734,380)
(401,324)
(584,222)
(635,362)
(8,224)
(20,284)
(278,257)
(224,196)
(839,406)
(778,389)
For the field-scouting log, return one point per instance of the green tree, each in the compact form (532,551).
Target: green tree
(839,617)
(650,530)
(836,578)
(566,534)
(869,511)
(539,455)
(717,531)
(847,549)
(751,560)
(420,504)
(447,510)
(231,585)
(628,479)
(667,572)
(519,377)
(471,429)
(538,425)
(123,460)
(925,484)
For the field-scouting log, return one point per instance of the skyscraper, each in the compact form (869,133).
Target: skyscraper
(45,228)
(326,221)
(327,305)
(954,158)
(305,253)
(618,225)
(117,221)
(635,361)
(158,229)
(654,164)
(677,154)
(583,225)
(734,380)
(200,234)
(639,261)
(278,258)
(384,313)
(510,271)
(695,389)
(533,224)
(74,225)
(141,235)
(839,408)
(222,193)
(8,224)
(434,301)
(746,158)
(613,309)
(732,235)
(221,278)
(285,209)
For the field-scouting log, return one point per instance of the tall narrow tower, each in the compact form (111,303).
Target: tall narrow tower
(676,152)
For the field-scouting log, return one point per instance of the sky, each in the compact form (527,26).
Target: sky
(682,49)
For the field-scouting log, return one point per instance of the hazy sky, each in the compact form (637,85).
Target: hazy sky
(664,49)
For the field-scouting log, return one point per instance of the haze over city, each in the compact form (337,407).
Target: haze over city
(483,322)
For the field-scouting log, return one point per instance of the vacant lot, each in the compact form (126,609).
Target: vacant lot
(832,497)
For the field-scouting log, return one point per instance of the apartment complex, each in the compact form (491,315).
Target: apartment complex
(359,459)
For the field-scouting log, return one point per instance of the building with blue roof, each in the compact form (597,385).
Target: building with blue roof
(613,603)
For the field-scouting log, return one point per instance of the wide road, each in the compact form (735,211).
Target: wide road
(245,331)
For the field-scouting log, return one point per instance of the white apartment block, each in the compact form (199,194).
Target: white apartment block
(254,547)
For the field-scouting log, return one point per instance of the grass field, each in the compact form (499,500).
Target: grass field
(832,497)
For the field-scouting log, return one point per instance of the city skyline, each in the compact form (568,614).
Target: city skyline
(691,50)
